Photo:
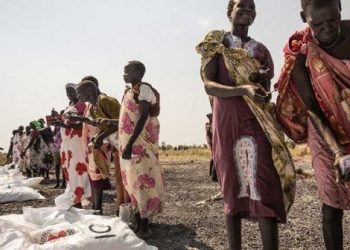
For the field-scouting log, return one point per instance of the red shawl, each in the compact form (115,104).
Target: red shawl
(330,78)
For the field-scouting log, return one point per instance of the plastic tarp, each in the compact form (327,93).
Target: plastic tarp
(13,186)
(51,228)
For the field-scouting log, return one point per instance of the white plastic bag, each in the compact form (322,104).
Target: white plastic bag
(53,232)
(91,233)
(126,212)
(64,201)
(32,182)
(19,194)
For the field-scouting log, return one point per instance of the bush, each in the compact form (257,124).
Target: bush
(3,159)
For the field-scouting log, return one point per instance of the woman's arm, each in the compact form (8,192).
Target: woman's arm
(144,107)
(9,153)
(79,118)
(73,125)
(301,79)
(214,88)
(29,145)
(100,137)
(107,122)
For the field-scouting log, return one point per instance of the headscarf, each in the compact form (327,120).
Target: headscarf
(36,124)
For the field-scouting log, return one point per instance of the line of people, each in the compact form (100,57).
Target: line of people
(33,149)
(95,132)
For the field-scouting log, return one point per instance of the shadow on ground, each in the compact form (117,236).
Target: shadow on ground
(175,237)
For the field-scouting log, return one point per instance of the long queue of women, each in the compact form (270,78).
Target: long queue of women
(88,136)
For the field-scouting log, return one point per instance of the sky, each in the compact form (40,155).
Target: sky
(45,44)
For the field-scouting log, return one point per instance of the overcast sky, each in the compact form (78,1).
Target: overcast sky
(46,43)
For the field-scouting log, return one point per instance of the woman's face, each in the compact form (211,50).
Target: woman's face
(131,75)
(243,13)
(324,22)
(71,94)
(82,94)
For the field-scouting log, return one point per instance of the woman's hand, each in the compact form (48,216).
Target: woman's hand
(260,78)
(127,152)
(98,141)
(103,121)
(58,123)
(337,166)
(341,178)
(257,94)
(75,118)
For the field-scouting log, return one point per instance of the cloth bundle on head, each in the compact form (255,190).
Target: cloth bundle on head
(36,124)
(71,85)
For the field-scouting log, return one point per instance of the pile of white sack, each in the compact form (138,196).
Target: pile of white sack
(54,228)
(14,187)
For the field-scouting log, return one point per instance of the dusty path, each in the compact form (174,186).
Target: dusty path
(186,225)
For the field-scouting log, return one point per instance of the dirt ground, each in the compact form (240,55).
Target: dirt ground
(185,224)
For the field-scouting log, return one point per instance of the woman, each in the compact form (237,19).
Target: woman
(57,141)
(102,137)
(138,143)
(313,105)
(46,153)
(34,155)
(25,156)
(73,156)
(248,149)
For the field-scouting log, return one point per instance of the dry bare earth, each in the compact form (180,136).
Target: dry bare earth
(185,225)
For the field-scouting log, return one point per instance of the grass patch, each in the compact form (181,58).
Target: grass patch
(298,152)
(3,159)
(191,154)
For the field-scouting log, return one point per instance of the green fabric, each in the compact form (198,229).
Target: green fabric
(106,107)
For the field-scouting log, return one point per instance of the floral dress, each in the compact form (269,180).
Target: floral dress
(25,161)
(142,175)
(74,160)
(16,150)
(46,153)
(34,155)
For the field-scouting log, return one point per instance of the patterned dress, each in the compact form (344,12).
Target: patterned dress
(89,132)
(21,146)
(16,150)
(34,156)
(142,175)
(106,107)
(57,141)
(45,153)
(73,158)
(25,159)
(330,79)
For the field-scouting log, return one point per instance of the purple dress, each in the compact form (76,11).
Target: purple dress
(241,151)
